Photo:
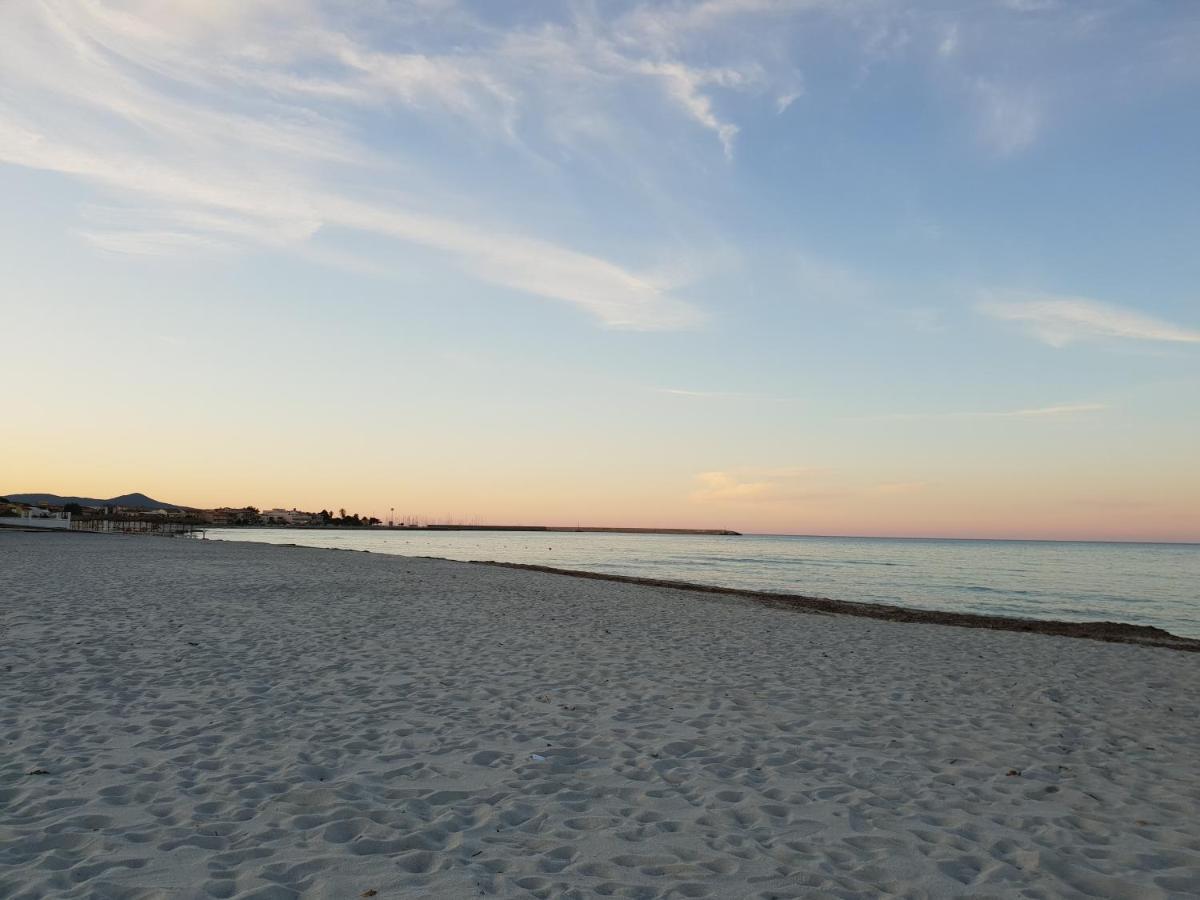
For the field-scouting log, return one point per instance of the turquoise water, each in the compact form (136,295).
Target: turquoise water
(1145,584)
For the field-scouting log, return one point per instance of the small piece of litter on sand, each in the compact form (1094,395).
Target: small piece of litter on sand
(537,757)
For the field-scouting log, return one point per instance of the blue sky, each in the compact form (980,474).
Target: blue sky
(772,264)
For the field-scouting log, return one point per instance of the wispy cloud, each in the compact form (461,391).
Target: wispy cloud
(948,46)
(723,395)
(242,124)
(786,99)
(702,395)
(780,484)
(1036,412)
(721,486)
(264,123)
(789,484)
(1009,117)
(1068,409)
(138,103)
(685,85)
(1059,321)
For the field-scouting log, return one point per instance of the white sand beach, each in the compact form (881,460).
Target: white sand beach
(218,720)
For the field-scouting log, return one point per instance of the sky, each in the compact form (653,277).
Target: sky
(787,266)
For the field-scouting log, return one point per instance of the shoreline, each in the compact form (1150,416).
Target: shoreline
(1111,632)
(1106,631)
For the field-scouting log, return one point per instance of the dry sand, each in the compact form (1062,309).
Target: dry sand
(196,719)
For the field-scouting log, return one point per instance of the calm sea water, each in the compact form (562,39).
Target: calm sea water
(1146,584)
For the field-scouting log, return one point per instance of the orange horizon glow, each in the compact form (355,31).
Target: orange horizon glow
(946,510)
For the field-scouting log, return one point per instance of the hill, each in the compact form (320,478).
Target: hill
(130,501)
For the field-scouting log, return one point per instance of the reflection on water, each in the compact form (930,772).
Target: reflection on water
(1146,584)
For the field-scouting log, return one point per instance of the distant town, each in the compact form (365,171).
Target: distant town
(137,512)
(223,516)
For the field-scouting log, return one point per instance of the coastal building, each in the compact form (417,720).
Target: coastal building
(227,515)
(288,517)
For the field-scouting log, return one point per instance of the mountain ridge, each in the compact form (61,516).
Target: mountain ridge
(131,501)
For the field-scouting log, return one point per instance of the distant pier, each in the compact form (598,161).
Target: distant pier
(139,526)
(583,528)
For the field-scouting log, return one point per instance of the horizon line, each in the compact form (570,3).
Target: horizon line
(700,532)
(740,532)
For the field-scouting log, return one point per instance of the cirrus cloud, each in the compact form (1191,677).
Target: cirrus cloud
(753,485)
(1031,412)
(214,127)
(1059,321)
(790,485)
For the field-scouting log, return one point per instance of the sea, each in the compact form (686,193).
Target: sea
(1137,583)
